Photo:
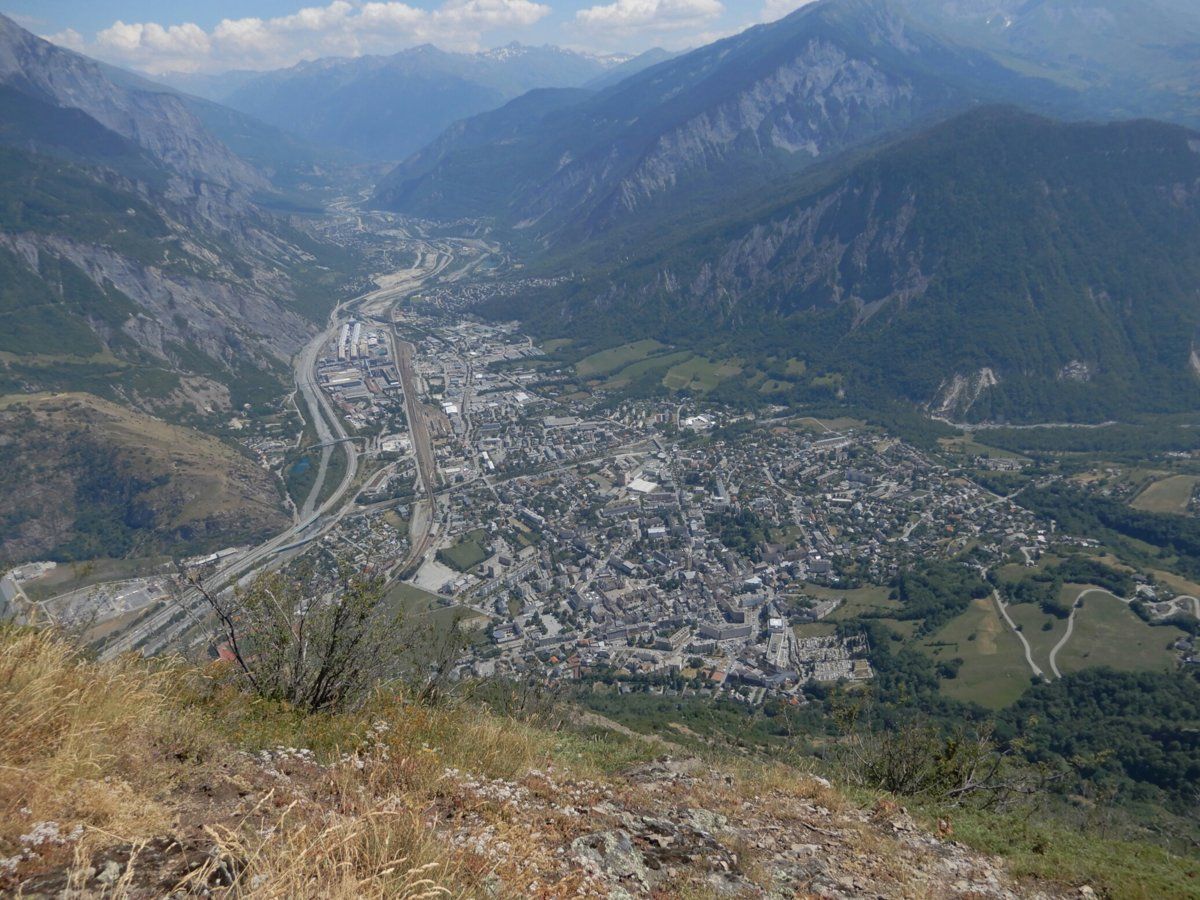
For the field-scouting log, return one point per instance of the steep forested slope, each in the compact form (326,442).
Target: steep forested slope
(999,265)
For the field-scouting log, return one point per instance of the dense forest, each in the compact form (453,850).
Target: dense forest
(935,593)
(1134,735)
(1104,518)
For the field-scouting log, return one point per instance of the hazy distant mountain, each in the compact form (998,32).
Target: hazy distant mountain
(289,161)
(1128,57)
(999,266)
(618,73)
(774,99)
(214,86)
(386,107)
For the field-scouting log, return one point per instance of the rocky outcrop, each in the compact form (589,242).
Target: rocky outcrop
(811,106)
(959,393)
(222,318)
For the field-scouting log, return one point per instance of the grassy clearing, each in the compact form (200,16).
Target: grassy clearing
(859,601)
(1168,495)
(467,552)
(1032,621)
(967,445)
(993,672)
(607,361)
(873,601)
(815,629)
(634,371)
(700,374)
(825,426)
(1060,854)
(426,613)
(1107,633)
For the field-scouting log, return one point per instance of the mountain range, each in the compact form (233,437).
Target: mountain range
(386,107)
(843,190)
(1125,57)
(847,187)
(772,100)
(834,76)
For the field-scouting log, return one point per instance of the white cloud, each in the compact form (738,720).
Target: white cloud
(69,38)
(777,9)
(339,28)
(626,16)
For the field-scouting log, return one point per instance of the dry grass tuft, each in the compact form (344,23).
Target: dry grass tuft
(371,853)
(76,736)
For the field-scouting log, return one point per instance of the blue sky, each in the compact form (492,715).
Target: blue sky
(217,35)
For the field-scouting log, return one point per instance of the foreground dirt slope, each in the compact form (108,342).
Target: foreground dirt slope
(130,780)
(670,828)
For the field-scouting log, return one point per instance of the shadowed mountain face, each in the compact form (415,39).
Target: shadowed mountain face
(158,123)
(386,107)
(999,265)
(128,235)
(774,99)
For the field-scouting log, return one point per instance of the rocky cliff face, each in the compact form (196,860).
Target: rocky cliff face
(773,99)
(121,186)
(221,315)
(157,122)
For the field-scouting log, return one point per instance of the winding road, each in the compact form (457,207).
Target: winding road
(1021,637)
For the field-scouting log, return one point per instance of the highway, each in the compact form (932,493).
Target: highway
(163,628)
(323,416)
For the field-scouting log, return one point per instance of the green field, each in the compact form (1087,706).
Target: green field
(616,358)
(1168,495)
(467,552)
(969,446)
(825,426)
(815,629)
(993,672)
(1107,633)
(426,618)
(700,374)
(872,602)
(1031,619)
(858,601)
(633,371)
